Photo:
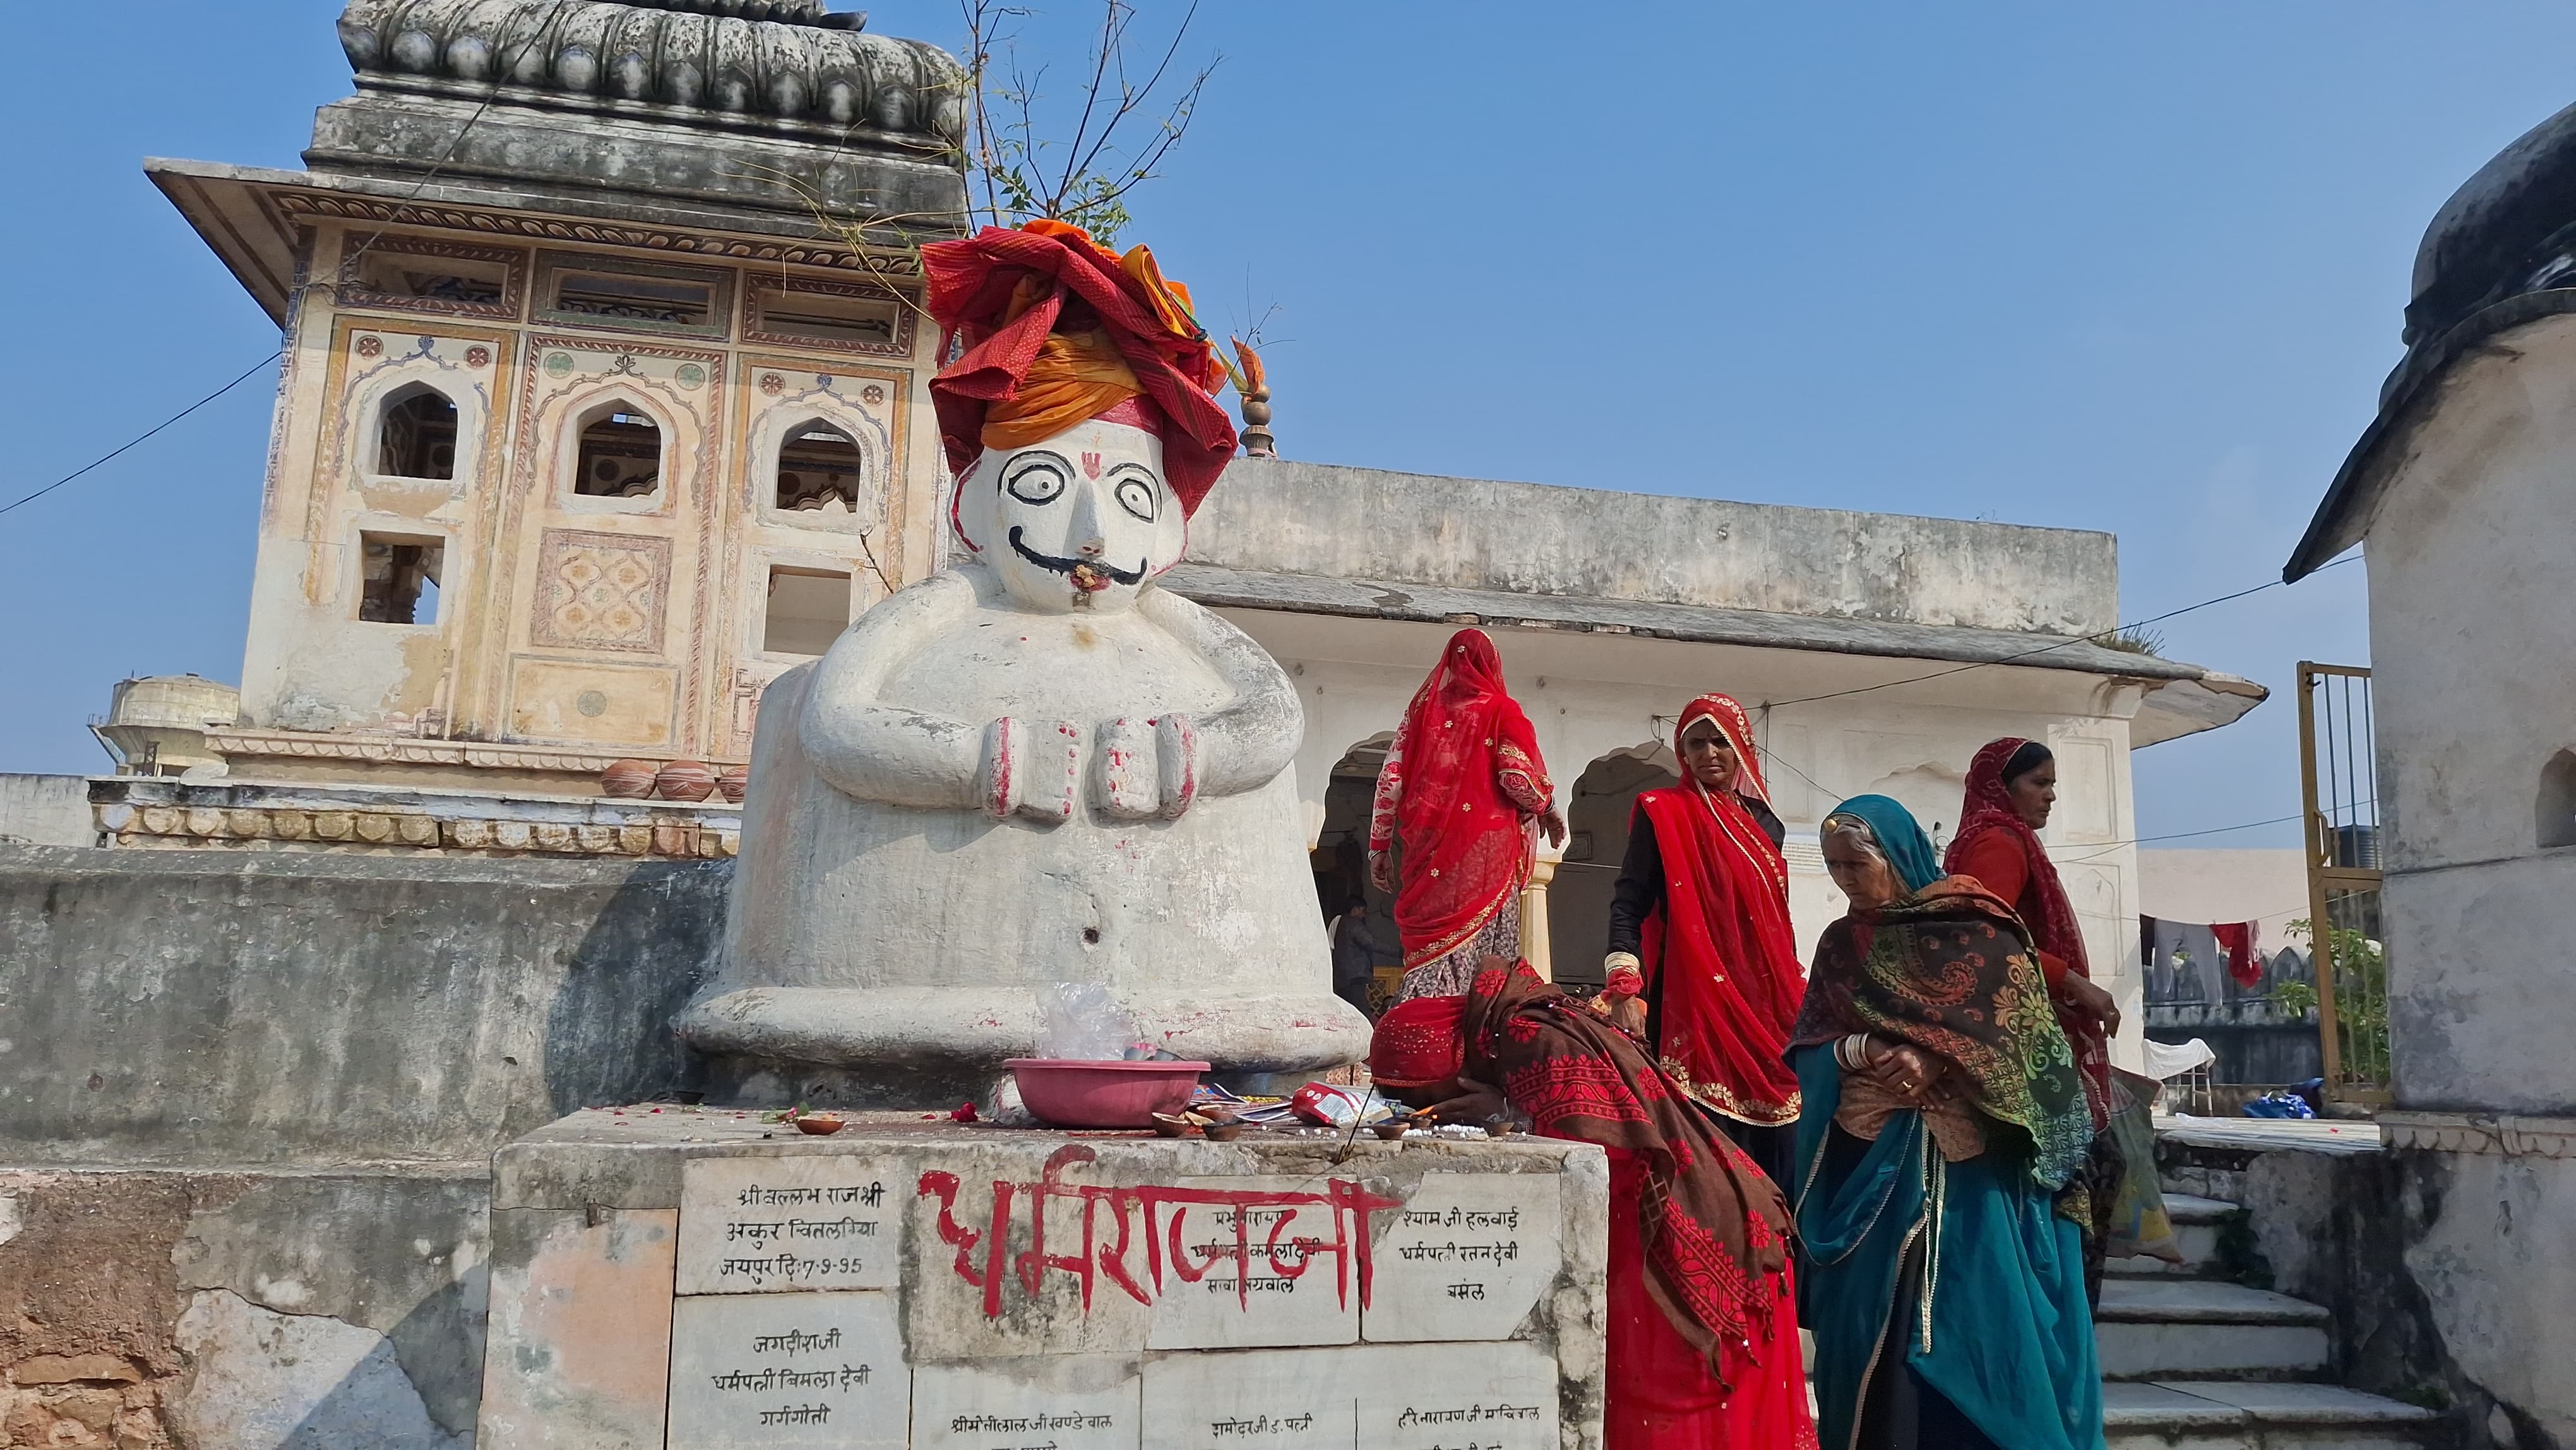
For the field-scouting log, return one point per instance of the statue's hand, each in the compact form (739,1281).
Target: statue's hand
(1148,768)
(1031,768)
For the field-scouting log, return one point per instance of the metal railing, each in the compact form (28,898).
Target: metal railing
(2339,784)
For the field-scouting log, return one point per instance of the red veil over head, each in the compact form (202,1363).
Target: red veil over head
(1988,811)
(1719,951)
(1467,846)
(1057,330)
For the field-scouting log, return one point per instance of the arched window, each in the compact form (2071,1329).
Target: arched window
(621,453)
(818,464)
(2558,800)
(417,435)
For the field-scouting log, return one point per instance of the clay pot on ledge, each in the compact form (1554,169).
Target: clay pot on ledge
(735,782)
(627,780)
(685,780)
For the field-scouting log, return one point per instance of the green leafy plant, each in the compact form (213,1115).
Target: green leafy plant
(2360,968)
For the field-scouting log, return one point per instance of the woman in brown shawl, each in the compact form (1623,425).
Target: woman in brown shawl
(1703,1337)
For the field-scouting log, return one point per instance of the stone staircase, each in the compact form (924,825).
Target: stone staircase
(2190,1359)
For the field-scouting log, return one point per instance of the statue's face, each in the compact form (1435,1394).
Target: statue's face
(1077,521)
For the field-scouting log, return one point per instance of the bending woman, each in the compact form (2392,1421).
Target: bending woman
(1703,1342)
(1465,793)
(1944,1116)
(1699,929)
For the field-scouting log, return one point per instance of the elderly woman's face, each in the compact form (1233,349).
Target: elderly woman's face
(1863,874)
(1709,756)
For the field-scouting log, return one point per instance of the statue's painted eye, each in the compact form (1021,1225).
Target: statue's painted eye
(1036,480)
(1137,496)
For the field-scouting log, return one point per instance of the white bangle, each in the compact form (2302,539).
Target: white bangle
(1616,960)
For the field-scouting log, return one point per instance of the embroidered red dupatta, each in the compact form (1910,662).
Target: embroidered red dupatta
(1988,812)
(1442,794)
(1720,948)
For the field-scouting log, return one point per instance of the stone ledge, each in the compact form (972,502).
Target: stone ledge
(2504,1133)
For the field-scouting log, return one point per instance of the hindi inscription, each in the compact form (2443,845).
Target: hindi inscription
(1067,1403)
(1466,1258)
(782,1372)
(786,1223)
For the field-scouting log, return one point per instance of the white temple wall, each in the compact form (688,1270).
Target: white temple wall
(1589,696)
(2470,616)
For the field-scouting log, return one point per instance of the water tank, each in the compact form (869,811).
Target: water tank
(156,724)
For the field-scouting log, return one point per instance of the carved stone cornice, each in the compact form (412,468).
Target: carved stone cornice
(882,264)
(2499,1133)
(579,53)
(239,744)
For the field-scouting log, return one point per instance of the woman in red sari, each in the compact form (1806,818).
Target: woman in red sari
(2012,790)
(1465,793)
(1699,929)
(1703,1333)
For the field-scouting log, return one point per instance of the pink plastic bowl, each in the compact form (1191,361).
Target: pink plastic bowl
(1076,1094)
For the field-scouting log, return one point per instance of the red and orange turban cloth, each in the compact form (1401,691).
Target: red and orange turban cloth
(1057,330)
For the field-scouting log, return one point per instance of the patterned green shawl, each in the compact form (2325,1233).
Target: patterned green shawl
(1950,969)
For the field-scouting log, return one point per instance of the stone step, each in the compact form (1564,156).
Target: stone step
(2237,1415)
(2162,1329)
(2196,1222)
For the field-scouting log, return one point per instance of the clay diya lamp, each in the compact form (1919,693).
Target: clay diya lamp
(821,1125)
(1391,1128)
(685,780)
(627,780)
(1168,1126)
(1502,1128)
(1222,1132)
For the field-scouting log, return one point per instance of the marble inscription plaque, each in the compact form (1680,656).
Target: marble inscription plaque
(1466,1258)
(785,1371)
(800,1222)
(1431,1397)
(1449,1397)
(1254,1274)
(1068,1403)
(1292,1399)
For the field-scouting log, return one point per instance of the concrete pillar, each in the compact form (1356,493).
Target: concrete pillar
(1534,918)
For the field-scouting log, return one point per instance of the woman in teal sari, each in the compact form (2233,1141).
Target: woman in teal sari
(1943,1116)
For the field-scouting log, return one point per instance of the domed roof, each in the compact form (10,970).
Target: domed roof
(2499,254)
(763,63)
(2506,231)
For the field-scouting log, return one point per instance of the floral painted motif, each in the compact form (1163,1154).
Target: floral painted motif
(371,345)
(478,357)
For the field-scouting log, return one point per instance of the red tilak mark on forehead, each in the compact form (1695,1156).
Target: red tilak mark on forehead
(1091,465)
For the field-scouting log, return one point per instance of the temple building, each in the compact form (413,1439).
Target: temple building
(602,396)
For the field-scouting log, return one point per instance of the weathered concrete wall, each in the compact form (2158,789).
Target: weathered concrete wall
(216,1310)
(2470,618)
(1366,523)
(247,1105)
(185,1008)
(45,810)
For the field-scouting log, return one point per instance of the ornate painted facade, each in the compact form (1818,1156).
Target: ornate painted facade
(573,456)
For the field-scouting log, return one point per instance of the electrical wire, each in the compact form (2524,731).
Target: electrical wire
(510,65)
(2048,648)
(131,443)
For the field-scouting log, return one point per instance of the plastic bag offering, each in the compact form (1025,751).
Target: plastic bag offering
(1082,1022)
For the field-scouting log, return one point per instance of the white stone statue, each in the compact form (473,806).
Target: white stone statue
(1036,766)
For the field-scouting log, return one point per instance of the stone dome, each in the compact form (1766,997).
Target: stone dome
(783,64)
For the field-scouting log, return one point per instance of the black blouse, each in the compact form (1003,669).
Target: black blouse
(1641,874)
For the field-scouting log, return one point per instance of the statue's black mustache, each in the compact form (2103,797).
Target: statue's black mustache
(1067,566)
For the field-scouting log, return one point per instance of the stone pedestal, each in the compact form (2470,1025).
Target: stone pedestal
(699,1279)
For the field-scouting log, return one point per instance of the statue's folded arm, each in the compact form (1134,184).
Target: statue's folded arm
(1246,743)
(879,752)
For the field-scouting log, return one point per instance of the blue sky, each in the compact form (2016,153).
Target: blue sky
(2131,268)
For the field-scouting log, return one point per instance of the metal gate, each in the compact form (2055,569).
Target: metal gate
(2339,782)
